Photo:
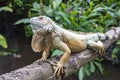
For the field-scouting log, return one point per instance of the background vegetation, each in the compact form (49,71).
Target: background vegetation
(78,15)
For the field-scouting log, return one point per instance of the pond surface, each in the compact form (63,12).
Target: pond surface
(23,55)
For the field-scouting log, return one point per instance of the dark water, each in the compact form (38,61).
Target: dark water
(23,55)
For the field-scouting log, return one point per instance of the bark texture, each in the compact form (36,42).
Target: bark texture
(44,70)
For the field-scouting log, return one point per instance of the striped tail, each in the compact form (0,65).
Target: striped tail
(102,36)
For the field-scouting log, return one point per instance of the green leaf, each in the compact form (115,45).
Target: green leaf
(28,31)
(35,10)
(103,9)
(92,67)
(108,1)
(81,74)
(18,2)
(116,49)
(36,5)
(63,15)
(63,6)
(94,14)
(49,11)
(6,8)
(118,42)
(109,22)
(91,6)
(117,13)
(2,53)
(90,21)
(99,65)
(86,69)
(57,53)
(98,59)
(114,56)
(3,42)
(25,20)
(73,21)
(56,3)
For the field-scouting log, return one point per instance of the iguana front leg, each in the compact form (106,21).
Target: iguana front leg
(62,46)
(45,55)
(98,45)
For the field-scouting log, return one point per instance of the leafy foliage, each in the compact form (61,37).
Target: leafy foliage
(6,8)
(25,20)
(3,53)
(57,53)
(79,15)
(89,68)
(116,51)
(3,41)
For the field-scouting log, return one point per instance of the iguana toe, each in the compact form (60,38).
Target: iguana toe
(59,68)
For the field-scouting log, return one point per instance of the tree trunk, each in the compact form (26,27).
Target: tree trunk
(44,70)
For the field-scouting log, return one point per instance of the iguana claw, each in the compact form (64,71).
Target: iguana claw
(59,68)
(40,60)
(101,51)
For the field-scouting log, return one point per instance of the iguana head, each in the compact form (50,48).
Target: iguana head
(41,22)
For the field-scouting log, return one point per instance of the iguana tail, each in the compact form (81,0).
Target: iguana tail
(108,37)
(102,36)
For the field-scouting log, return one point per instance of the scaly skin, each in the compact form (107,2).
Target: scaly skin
(48,34)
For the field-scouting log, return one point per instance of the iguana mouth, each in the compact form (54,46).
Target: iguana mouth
(32,22)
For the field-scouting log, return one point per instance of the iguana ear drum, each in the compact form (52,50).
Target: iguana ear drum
(49,30)
(40,17)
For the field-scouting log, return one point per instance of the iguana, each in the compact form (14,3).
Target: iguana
(48,34)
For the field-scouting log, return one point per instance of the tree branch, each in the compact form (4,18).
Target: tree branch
(44,70)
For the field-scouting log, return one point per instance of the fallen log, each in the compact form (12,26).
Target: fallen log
(44,70)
